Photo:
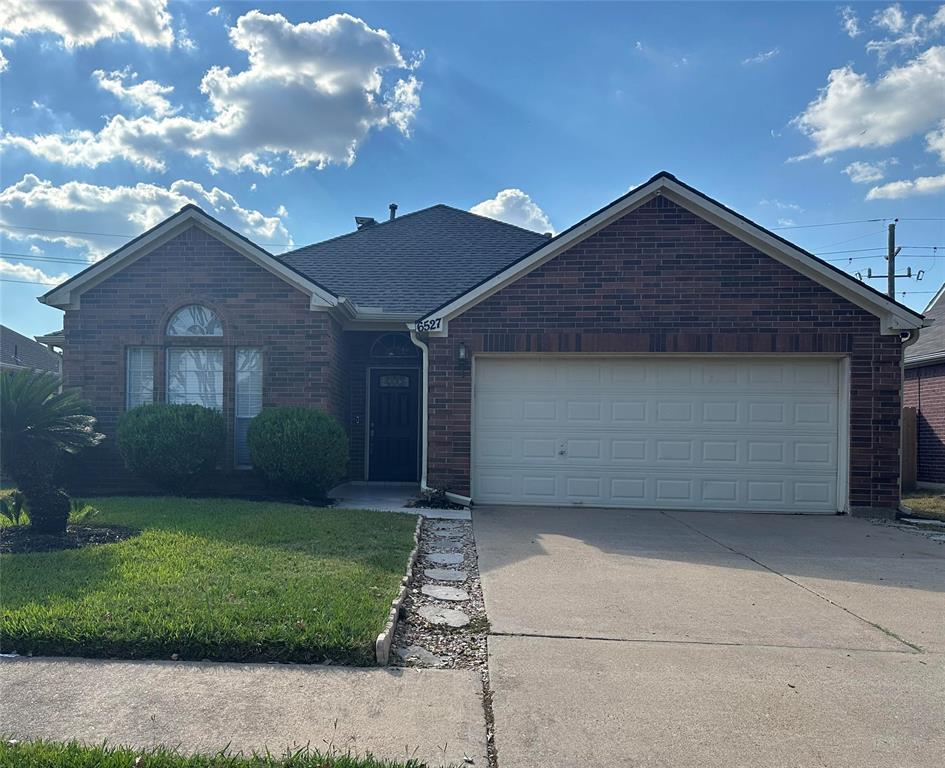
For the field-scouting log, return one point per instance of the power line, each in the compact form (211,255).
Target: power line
(108,234)
(25,282)
(31,257)
(829,224)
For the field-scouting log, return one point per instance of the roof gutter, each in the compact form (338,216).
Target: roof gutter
(424,379)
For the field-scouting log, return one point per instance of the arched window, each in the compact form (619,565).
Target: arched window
(394,346)
(194,320)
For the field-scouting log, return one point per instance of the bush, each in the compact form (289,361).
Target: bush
(299,451)
(173,446)
(40,423)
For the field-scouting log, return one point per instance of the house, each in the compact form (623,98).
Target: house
(665,352)
(924,390)
(19,352)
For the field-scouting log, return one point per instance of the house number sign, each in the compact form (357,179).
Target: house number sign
(424,326)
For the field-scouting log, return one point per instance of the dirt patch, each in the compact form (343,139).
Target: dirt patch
(18,539)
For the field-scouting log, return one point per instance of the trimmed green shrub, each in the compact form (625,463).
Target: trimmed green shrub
(299,451)
(172,446)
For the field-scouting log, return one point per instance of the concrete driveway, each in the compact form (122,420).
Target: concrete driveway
(704,639)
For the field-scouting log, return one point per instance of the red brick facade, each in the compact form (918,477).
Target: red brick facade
(663,280)
(304,353)
(924,390)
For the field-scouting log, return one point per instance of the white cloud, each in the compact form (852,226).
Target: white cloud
(35,202)
(761,58)
(849,21)
(215,11)
(311,95)
(16,270)
(935,141)
(4,62)
(861,172)
(515,207)
(85,22)
(785,222)
(853,112)
(781,205)
(903,32)
(146,96)
(894,190)
(892,18)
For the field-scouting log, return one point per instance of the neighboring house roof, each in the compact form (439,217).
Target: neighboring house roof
(930,348)
(19,351)
(416,261)
(66,295)
(893,315)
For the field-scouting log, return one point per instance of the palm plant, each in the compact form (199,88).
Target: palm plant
(38,423)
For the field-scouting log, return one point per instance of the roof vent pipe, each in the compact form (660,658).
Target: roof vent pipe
(393,210)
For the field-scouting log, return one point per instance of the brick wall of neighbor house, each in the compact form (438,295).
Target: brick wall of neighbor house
(924,390)
(303,350)
(662,280)
(359,345)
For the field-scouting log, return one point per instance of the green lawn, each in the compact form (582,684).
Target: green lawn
(926,504)
(212,579)
(44,754)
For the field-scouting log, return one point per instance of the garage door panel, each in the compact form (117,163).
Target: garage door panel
(673,433)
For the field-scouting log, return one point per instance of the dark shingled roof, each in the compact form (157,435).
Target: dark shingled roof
(21,351)
(931,343)
(414,262)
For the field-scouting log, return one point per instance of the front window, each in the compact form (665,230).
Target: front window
(194,320)
(248,398)
(195,376)
(139,377)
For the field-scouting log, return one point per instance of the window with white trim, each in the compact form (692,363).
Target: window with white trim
(195,376)
(248,398)
(139,377)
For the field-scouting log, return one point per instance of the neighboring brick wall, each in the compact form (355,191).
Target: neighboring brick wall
(303,350)
(663,280)
(924,390)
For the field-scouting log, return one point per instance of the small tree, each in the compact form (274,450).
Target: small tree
(38,423)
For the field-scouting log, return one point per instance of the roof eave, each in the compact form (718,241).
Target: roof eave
(67,295)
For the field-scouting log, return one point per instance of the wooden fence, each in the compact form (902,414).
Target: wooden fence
(909,449)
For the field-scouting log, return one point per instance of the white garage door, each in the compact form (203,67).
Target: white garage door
(674,433)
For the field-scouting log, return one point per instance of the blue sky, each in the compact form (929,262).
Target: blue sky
(288,119)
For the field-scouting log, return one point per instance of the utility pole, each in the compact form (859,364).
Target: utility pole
(891,252)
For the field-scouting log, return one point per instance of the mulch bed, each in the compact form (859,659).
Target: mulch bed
(21,538)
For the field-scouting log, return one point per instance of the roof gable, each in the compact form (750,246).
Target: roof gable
(893,315)
(413,262)
(67,295)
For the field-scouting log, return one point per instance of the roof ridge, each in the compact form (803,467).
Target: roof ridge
(495,221)
(373,227)
(342,236)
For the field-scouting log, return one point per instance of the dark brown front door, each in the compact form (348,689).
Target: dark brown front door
(394,425)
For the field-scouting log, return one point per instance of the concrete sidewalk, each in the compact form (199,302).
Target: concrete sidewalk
(431,715)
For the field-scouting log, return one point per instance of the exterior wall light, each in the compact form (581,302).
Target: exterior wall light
(461,352)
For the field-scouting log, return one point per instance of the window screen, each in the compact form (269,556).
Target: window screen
(248,398)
